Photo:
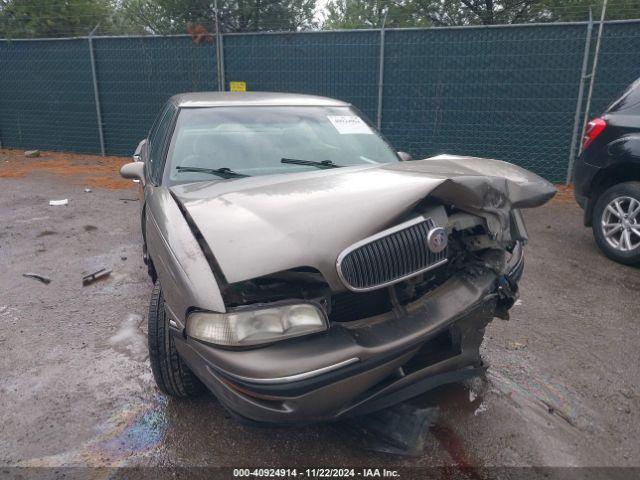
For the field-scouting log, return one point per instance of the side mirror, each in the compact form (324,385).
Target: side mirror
(134,171)
(405,157)
(137,155)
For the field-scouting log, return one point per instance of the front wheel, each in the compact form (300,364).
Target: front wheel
(616,223)
(172,376)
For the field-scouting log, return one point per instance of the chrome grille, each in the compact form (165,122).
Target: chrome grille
(389,257)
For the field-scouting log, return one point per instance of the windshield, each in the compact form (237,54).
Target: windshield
(252,141)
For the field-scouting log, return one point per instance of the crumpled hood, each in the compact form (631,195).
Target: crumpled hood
(261,225)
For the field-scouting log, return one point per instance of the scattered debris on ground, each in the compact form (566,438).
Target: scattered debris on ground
(516,345)
(37,276)
(87,171)
(116,416)
(400,430)
(95,276)
(57,203)
(32,153)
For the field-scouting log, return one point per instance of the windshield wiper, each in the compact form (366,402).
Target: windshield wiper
(311,163)
(223,172)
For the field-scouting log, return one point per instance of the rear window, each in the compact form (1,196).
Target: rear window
(630,98)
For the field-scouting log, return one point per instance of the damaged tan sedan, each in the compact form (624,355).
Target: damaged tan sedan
(304,271)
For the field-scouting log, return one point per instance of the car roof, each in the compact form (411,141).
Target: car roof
(247,99)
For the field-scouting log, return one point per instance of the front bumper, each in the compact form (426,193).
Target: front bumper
(361,366)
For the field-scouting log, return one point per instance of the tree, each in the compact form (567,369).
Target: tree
(412,13)
(349,14)
(173,16)
(474,12)
(51,18)
(401,13)
(578,10)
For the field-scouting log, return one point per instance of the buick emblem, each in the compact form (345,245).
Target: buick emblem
(437,239)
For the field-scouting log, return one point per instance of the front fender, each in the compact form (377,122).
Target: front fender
(186,277)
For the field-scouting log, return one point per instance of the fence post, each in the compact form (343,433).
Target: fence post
(219,53)
(593,70)
(96,93)
(576,118)
(223,80)
(381,74)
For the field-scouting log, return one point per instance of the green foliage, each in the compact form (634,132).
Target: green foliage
(351,14)
(173,16)
(411,13)
(61,18)
(578,10)
(51,18)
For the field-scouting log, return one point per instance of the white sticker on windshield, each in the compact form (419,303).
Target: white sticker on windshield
(349,124)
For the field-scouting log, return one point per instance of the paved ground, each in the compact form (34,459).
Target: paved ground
(76,387)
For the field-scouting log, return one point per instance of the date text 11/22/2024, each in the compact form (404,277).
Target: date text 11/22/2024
(316,472)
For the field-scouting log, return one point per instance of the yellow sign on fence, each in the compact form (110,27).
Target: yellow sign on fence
(238,86)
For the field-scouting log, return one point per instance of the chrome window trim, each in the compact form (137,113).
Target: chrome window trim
(373,238)
(291,378)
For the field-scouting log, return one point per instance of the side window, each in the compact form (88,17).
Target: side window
(158,140)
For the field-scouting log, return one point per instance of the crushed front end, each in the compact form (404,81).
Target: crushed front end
(409,315)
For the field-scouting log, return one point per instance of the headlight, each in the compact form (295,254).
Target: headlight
(256,326)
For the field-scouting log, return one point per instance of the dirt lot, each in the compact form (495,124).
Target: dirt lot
(76,387)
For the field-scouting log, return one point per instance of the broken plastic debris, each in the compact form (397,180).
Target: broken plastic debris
(32,153)
(513,345)
(37,276)
(399,430)
(97,275)
(56,203)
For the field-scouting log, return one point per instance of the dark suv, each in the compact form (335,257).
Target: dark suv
(607,178)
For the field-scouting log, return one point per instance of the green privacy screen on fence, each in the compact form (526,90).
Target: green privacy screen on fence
(137,75)
(46,96)
(618,63)
(340,65)
(507,92)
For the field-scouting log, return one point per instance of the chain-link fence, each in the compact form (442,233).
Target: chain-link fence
(507,92)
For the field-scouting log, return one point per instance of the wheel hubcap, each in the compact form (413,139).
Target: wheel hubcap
(621,223)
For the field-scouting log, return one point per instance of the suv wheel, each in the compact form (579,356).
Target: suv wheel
(616,223)
(172,376)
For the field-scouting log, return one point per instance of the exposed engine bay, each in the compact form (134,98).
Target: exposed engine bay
(472,246)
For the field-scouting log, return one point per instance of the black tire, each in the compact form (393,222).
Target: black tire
(626,189)
(172,376)
(151,271)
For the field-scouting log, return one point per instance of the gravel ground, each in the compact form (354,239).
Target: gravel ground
(77,390)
